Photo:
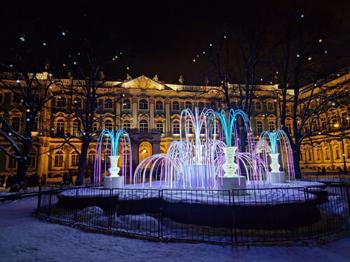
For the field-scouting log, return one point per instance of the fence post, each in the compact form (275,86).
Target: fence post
(233,228)
(49,211)
(110,211)
(75,209)
(39,200)
(160,219)
(347,191)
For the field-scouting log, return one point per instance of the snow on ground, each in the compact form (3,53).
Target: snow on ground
(25,238)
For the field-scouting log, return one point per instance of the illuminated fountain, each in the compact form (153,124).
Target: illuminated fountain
(200,159)
(111,145)
(191,162)
(277,146)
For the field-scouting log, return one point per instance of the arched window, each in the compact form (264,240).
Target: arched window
(176,127)
(126,125)
(159,105)
(32,159)
(318,154)
(109,124)
(271,125)
(160,127)
(61,102)
(327,153)
(189,126)
(95,126)
(74,159)
(58,159)
(126,104)
(176,106)
(337,152)
(258,106)
(143,126)
(188,105)
(76,128)
(108,104)
(60,127)
(77,103)
(270,106)
(143,104)
(91,157)
(259,126)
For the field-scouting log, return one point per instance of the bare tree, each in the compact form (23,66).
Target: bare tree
(33,92)
(301,57)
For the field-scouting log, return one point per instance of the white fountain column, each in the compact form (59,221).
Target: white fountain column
(231,179)
(275,175)
(197,170)
(114,180)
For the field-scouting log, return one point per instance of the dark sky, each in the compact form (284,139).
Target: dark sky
(155,37)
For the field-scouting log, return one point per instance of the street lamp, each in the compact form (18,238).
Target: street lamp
(337,125)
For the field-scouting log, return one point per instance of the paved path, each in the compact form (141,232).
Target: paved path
(24,238)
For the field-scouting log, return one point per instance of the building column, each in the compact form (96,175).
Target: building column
(151,113)
(43,158)
(167,116)
(118,114)
(134,113)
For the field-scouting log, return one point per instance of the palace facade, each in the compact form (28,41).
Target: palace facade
(150,110)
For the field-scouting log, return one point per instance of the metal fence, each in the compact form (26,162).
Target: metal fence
(233,217)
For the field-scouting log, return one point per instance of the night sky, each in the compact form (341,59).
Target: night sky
(154,37)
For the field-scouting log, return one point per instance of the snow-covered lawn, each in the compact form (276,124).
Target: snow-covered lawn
(25,238)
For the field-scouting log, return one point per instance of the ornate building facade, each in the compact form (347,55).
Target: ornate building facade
(150,110)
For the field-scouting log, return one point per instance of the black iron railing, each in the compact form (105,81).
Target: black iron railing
(214,216)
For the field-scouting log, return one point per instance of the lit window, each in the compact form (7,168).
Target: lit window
(60,127)
(159,126)
(95,126)
(143,104)
(108,124)
(337,153)
(74,159)
(76,128)
(259,126)
(143,126)
(176,127)
(258,106)
(58,159)
(126,104)
(108,104)
(91,157)
(126,125)
(176,106)
(159,105)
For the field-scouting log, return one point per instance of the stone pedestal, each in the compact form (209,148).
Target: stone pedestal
(276,177)
(113,182)
(236,182)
